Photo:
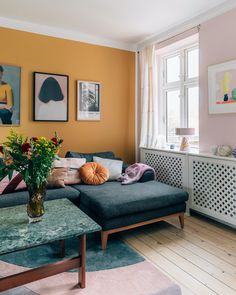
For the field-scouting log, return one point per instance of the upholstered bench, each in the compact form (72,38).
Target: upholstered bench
(118,207)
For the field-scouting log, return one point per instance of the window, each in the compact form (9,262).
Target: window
(180,92)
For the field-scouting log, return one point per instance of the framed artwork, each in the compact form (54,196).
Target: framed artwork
(50,97)
(222,88)
(88,100)
(10,80)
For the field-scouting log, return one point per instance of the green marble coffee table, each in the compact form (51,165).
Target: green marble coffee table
(62,220)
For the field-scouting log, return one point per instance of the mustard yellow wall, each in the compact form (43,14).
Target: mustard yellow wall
(112,67)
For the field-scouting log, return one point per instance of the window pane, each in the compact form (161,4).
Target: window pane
(173,115)
(193,63)
(193,114)
(173,69)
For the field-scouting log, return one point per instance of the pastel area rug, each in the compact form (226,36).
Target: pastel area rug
(117,271)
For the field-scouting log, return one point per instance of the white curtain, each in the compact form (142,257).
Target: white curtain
(149,97)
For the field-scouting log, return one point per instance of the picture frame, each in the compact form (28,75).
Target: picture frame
(10,95)
(88,100)
(51,97)
(222,88)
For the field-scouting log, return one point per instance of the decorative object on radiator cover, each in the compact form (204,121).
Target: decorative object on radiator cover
(33,159)
(184,132)
(214,149)
(234,152)
(224,151)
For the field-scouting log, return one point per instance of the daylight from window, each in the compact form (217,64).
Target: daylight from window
(180,93)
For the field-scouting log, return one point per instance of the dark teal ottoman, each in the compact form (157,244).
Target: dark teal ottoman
(119,207)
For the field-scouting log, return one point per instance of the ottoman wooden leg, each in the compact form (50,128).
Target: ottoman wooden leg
(181,219)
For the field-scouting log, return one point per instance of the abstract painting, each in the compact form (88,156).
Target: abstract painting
(50,97)
(10,79)
(88,100)
(222,88)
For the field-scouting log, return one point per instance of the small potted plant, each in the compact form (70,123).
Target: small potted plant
(33,159)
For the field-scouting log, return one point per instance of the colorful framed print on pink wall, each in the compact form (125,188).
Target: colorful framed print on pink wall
(50,97)
(222,88)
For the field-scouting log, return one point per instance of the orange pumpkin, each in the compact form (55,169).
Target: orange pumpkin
(93,173)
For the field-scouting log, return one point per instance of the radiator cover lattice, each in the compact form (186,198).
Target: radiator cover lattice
(168,168)
(214,188)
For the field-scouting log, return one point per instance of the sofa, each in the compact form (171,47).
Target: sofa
(114,206)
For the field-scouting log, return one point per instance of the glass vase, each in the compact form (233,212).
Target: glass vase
(35,207)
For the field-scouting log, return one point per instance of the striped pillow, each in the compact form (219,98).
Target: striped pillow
(10,186)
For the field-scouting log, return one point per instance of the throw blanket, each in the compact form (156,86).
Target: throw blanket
(133,173)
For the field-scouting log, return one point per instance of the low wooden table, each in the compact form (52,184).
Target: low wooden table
(61,221)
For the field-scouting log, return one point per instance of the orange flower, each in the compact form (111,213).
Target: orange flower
(8,161)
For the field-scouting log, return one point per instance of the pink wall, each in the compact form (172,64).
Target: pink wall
(217,42)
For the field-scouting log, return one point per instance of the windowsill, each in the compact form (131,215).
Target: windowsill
(192,149)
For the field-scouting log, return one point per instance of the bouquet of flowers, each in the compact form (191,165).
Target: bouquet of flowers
(32,158)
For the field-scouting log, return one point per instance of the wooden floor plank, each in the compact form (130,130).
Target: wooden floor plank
(222,243)
(185,291)
(204,243)
(200,259)
(217,242)
(180,276)
(209,257)
(195,259)
(213,226)
(190,268)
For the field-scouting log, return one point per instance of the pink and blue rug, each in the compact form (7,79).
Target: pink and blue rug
(117,271)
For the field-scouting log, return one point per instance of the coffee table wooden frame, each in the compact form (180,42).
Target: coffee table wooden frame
(52,269)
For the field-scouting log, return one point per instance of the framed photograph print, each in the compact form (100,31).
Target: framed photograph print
(222,88)
(50,97)
(10,80)
(88,100)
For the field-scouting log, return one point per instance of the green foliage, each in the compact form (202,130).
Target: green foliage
(32,158)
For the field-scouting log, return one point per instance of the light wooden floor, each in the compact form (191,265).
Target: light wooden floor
(201,259)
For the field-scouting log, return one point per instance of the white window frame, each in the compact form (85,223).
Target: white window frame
(183,84)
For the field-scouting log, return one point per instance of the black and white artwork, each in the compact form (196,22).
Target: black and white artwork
(88,100)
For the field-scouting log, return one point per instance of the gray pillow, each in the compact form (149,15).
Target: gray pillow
(89,156)
(114,166)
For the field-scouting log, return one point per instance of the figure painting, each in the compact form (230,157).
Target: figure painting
(10,77)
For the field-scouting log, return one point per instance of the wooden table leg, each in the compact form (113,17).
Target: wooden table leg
(39,273)
(63,248)
(82,254)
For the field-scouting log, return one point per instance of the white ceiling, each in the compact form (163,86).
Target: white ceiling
(123,23)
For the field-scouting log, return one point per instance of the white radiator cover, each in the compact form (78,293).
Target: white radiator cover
(210,180)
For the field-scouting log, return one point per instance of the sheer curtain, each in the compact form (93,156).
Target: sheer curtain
(149,97)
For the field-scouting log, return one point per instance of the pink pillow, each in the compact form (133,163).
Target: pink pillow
(9,186)
(73,165)
(72,177)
